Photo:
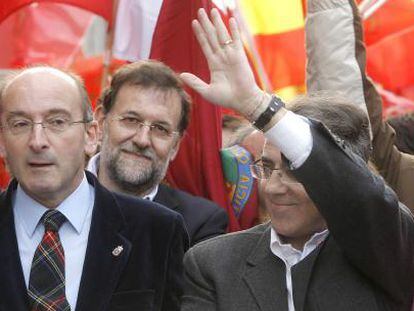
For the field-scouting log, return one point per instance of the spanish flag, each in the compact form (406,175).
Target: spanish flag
(277,27)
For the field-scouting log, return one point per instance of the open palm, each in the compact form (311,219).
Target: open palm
(232,82)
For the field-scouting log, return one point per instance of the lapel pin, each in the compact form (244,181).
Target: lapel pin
(117,250)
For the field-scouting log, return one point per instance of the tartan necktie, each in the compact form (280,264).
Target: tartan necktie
(47,275)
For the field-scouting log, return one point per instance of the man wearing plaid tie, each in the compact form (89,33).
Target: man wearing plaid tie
(67,242)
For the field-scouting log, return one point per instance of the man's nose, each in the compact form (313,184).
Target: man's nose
(275,185)
(142,136)
(38,139)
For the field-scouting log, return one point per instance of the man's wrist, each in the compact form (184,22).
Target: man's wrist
(275,119)
(258,104)
(268,113)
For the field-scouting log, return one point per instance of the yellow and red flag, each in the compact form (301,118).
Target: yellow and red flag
(277,27)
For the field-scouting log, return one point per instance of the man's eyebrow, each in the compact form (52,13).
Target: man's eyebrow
(267,160)
(20,113)
(57,111)
(137,115)
(12,114)
(131,113)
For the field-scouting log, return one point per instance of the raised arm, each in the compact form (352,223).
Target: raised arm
(336,61)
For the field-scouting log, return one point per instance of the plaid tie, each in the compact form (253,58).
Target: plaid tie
(47,275)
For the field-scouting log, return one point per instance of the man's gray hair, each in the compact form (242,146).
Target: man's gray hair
(343,118)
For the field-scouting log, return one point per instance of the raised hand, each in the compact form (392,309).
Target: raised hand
(232,82)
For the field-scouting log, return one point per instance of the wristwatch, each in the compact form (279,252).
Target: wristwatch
(274,106)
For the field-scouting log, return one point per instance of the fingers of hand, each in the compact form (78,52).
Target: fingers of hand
(209,30)
(194,82)
(202,39)
(235,33)
(222,33)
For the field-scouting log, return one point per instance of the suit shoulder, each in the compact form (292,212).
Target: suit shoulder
(187,199)
(230,243)
(132,207)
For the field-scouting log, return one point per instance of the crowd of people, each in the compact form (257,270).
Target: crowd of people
(87,224)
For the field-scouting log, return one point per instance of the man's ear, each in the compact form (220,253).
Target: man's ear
(99,116)
(175,149)
(91,138)
(2,147)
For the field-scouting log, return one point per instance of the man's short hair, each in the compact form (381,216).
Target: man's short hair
(148,74)
(343,118)
(85,102)
(404,130)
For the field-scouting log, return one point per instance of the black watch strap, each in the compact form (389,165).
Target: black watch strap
(275,104)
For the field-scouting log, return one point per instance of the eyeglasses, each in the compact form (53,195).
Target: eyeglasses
(261,171)
(133,124)
(55,125)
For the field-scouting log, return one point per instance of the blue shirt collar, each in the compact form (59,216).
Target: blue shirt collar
(75,208)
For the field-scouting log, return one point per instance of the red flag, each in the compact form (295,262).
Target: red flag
(284,57)
(29,40)
(197,168)
(99,7)
(389,61)
(389,35)
(392,17)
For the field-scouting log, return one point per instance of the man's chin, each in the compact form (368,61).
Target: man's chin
(136,187)
(137,176)
(38,188)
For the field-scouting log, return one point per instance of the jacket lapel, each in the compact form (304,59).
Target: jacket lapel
(301,276)
(265,276)
(107,252)
(13,291)
(165,198)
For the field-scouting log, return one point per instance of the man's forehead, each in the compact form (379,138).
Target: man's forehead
(271,152)
(41,89)
(254,143)
(164,93)
(270,148)
(155,99)
(35,72)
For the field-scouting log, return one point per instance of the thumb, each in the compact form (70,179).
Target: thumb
(195,83)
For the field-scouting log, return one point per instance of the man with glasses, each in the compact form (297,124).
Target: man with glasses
(67,242)
(338,239)
(142,118)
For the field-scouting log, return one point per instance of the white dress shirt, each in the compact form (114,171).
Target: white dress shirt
(93,167)
(77,208)
(291,256)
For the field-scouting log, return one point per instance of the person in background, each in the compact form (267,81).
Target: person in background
(142,118)
(230,125)
(403,126)
(242,150)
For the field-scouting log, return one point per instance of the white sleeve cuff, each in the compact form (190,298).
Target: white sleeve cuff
(293,137)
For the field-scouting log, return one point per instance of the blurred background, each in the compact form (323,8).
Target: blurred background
(93,38)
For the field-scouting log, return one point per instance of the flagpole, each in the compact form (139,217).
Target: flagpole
(369,7)
(107,57)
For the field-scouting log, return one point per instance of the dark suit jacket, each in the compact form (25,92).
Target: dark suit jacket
(366,263)
(203,218)
(147,275)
